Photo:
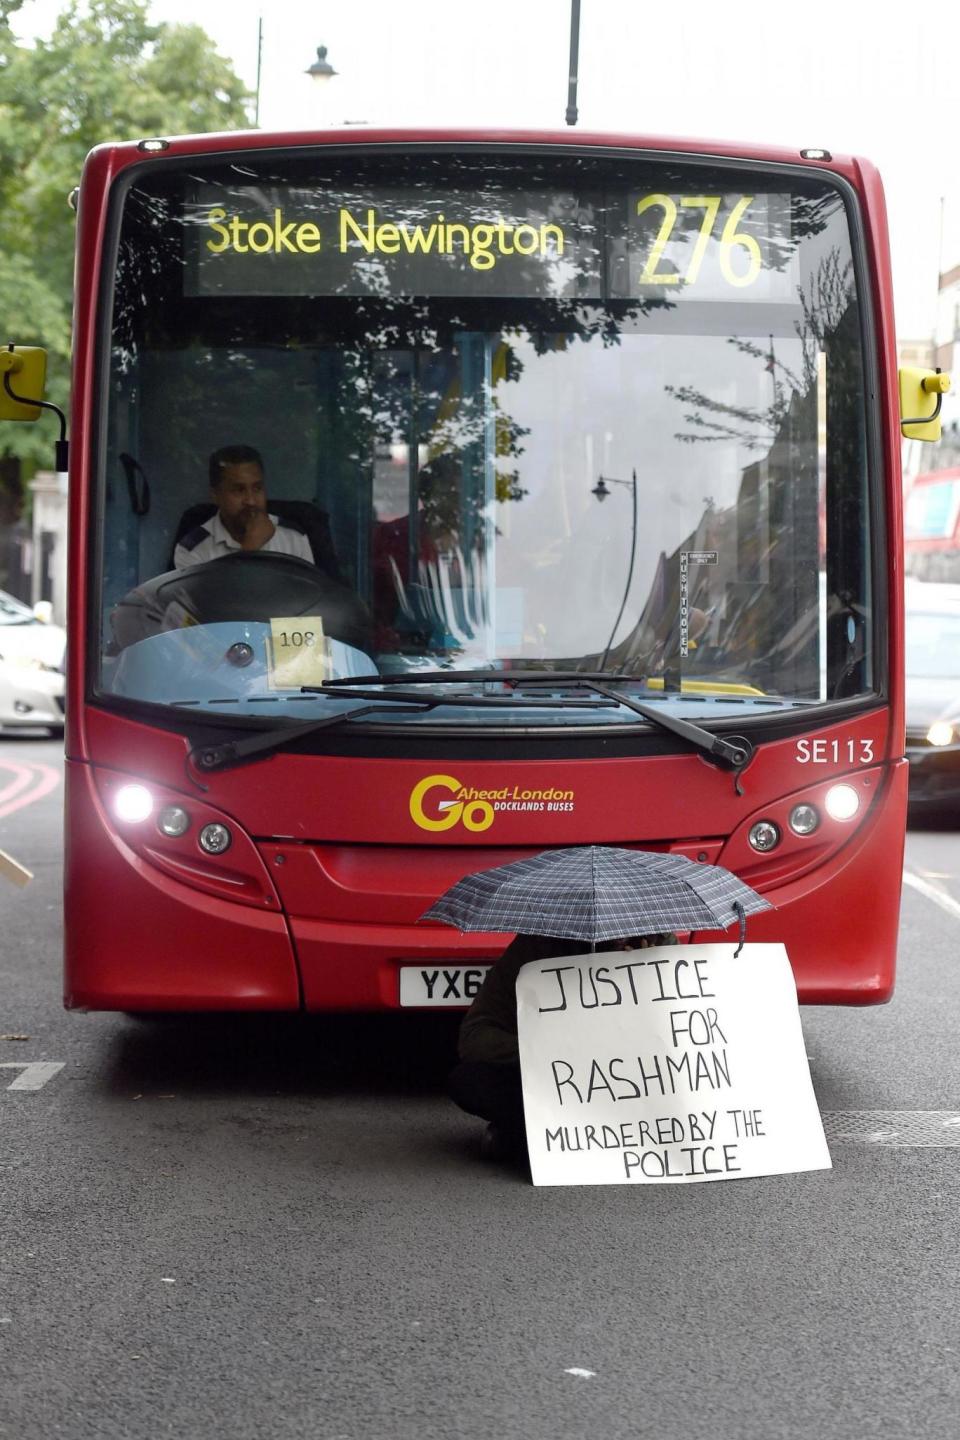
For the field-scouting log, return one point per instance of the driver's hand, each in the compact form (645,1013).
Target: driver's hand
(258,530)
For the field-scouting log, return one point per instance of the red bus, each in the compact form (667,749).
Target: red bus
(593,443)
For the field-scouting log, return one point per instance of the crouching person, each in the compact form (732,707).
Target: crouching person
(486,1082)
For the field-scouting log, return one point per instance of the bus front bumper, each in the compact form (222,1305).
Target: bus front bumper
(138,938)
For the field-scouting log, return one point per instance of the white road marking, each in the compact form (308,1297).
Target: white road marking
(583,1374)
(35,1075)
(913,1129)
(933,892)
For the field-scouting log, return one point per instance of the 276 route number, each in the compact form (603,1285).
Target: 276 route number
(732,240)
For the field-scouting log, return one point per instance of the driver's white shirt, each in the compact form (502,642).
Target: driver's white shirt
(219,542)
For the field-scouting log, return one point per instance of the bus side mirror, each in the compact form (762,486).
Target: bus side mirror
(23,372)
(921,395)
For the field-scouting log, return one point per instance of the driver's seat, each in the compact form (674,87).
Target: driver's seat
(299,514)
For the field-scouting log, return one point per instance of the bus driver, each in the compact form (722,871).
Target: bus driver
(241,521)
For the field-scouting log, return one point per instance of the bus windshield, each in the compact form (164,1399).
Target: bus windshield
(372,413)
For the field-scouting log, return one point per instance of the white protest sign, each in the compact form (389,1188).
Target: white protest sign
(665,1065)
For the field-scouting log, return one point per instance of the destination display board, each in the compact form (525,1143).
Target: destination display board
(381,240)
(280,240)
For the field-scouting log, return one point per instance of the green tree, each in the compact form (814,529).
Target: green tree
(106,73)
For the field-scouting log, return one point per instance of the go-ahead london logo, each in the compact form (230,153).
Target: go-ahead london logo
(441,802)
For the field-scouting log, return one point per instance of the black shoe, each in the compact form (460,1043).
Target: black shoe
(491,1143)
(498,1144)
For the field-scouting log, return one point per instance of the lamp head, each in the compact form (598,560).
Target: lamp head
(321,69)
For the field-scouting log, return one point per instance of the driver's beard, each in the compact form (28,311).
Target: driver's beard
(236,525)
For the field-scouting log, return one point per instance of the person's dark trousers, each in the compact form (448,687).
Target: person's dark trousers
(494,1092)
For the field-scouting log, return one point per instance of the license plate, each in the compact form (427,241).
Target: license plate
(440,984)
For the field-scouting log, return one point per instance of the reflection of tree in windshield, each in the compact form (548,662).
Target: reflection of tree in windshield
(824,304)
(429,378)
(799,515)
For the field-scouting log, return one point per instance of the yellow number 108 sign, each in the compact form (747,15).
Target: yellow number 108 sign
(733,242)
(297,653)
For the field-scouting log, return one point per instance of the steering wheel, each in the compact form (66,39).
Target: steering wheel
(252,586)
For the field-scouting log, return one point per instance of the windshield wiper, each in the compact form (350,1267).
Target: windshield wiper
(734,752)
(232,752)
(475,677)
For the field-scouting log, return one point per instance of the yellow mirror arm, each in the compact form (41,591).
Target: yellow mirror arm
(938,385)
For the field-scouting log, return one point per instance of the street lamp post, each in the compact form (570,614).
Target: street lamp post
(601,490)
(256,111)
(572,75)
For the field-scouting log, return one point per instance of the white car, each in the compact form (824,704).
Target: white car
(31,668)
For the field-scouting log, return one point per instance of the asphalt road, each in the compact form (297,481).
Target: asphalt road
(248,1227)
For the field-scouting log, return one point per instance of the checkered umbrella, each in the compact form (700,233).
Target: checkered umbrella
(599,892)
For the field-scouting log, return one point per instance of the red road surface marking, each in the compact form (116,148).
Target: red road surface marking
(22,777)
(30,783)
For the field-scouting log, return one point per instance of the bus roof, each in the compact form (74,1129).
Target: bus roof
(129,152)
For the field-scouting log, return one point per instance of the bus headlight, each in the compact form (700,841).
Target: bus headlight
(842,802)
(941,732)
(133,803)
(173,821)
(215,838)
